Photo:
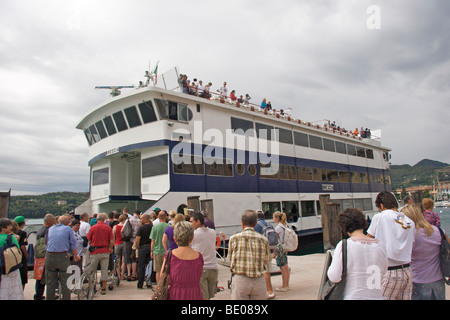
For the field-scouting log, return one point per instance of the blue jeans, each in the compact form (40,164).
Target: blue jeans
(429,291)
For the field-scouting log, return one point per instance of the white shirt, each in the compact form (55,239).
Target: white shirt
(205,242)
(224,91)
(396,231)
(366,265)
(84,228)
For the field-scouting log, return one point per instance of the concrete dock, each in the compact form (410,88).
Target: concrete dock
(306,273)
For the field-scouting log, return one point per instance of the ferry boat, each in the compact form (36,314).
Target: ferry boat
(156,147)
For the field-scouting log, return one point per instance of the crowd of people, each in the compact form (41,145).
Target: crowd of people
(396,257)
(197,88)
(363,133)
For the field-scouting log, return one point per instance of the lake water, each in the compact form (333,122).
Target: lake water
(444,214)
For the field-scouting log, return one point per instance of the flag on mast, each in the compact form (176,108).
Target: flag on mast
(155,73)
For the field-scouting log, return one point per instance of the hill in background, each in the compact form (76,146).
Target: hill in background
(421,174)
(37,206)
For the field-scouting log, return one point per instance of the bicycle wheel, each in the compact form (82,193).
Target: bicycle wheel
(87,285)
(116,273)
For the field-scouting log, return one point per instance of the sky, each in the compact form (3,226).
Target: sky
(380,64)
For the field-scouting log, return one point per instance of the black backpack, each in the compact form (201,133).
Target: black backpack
(445,257)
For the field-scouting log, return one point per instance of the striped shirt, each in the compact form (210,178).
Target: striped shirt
(248,252)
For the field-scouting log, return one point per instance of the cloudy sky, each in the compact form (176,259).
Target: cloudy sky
(381,64)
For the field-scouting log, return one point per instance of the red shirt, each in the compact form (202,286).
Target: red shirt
(100,236)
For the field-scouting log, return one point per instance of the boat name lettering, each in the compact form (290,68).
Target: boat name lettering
(327,187)
(112,151)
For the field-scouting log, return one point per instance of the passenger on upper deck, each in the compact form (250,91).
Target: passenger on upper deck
(223,90)
(206,93)
(184,84)
(240,99)
(194,87)
(233,96)
(263,104)
(269,106)
(200,88)
(247,99)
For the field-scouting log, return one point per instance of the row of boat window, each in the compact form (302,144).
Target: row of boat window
(282,172)
(309,208)
(145,113)
(264,131)
(133,117)
(158,165)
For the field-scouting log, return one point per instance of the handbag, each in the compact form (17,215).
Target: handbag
(444,256)
(39,265)
(161,291)
(335,291)
(10,256)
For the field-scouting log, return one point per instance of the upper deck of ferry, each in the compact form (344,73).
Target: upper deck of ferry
(166,110)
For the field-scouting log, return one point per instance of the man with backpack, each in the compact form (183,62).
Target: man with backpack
(266,229)
(40,250)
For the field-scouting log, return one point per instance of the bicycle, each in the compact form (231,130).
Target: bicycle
(88,282)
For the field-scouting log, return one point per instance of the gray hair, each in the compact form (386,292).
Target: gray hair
(183,233)
(102,216)
(249,218)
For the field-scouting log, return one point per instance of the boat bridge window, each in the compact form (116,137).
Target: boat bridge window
(100,176)
(173,110)
(88,135)
(147,112)
(132,117)
(369,153)
(94,133)
(120,121)
(110,125)
(101,129)
(155,166)
(315,142)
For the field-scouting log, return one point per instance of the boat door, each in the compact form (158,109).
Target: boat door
(208,207)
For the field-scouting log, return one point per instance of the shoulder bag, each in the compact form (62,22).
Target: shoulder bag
(444,256)
(161,291)
(335,291)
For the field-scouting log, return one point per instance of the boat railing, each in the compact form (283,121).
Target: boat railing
(281,114)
